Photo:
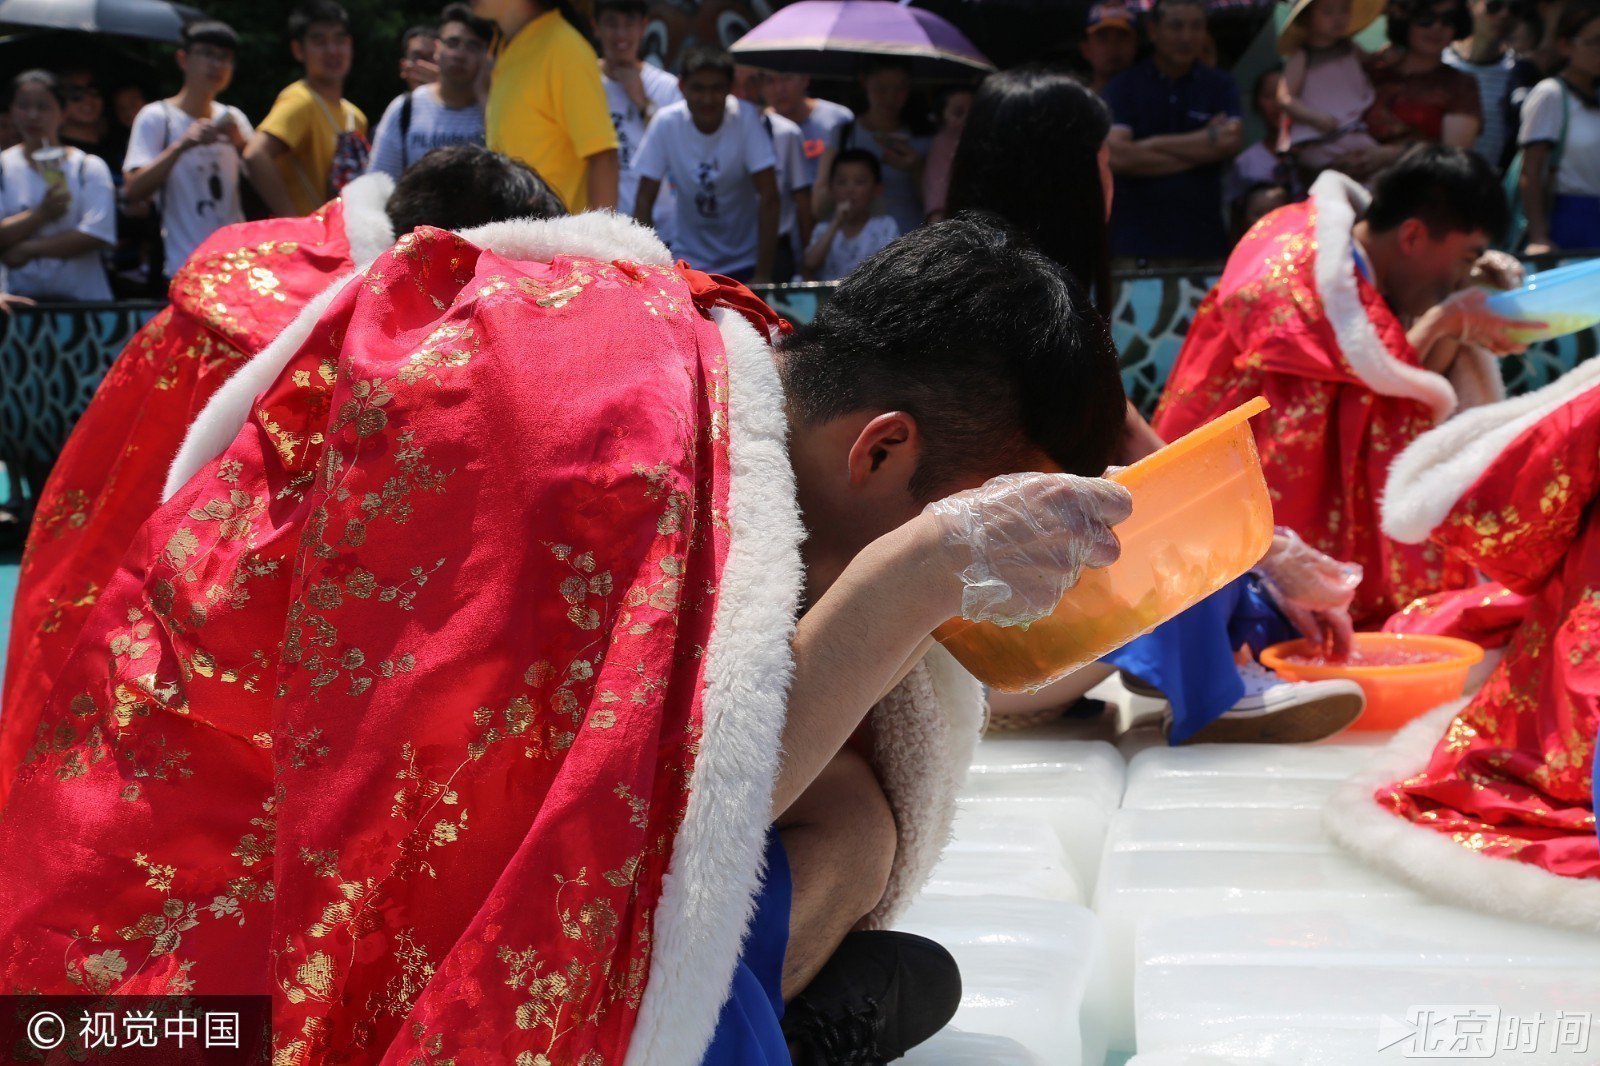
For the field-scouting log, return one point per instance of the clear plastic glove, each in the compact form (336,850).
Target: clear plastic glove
(1498,270)
(1465,317)
(1314,590)
(1028,537)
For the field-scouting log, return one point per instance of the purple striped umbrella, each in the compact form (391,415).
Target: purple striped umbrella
(832,38)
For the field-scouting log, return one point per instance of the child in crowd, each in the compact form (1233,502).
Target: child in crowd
(1324,91)
(1260,163)
(855,234)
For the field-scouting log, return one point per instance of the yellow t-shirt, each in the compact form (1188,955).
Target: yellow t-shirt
(306,123)
(547,106)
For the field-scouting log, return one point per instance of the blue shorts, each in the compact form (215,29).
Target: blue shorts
(748,1033)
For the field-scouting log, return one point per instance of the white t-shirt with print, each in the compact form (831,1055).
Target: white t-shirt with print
(201,194)
(1579,171)
(661,89)
(93,210)
(847,253)
(716,228)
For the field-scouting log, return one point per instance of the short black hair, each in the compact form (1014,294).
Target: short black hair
(1401,12)
(987,343)
(1575,15)
(1159,8)
(621,7)
(465,185)
(1449,189)
(312,12)
(706,57)
(48,81)
(480,28)
(208,31)
(857,155)
(414,32)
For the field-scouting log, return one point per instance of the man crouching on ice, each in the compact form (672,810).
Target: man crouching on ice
(480,724)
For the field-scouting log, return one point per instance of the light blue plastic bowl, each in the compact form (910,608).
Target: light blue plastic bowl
(1566,300)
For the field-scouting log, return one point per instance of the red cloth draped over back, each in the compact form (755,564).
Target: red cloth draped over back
(1293,320)
(233,296)
(401,727)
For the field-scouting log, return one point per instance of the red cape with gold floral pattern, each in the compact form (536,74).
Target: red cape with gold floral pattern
(233,296)
(1293,320)
(1499,810)
(455,728)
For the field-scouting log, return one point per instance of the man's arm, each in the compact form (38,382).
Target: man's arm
(644,201)
(1137,159)
(1535,195)
(143,182)
(766,183)
(604,173)
(850,645)
(261,164)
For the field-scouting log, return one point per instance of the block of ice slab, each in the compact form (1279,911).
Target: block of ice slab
(1365,985)
(1219,829)
(1072,785)
(952,1047)
(1031,972)
(1019,856)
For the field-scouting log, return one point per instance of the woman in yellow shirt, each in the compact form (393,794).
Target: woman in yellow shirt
(547,105)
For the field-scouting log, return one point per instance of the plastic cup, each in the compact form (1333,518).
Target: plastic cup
(1566,300)
(1201,517)
(51,161)
(1395,694)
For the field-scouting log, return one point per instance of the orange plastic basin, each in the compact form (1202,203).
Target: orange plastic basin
(1201,517)
(1395,694)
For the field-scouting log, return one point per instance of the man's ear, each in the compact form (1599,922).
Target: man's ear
(298,50)
(1413,235)
(887,445)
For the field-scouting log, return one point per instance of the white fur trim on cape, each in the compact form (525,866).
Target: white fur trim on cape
(1428,479)
(1339,203)
(926,730)
(366,217)
(707,896)
(1431,862)
(596,235)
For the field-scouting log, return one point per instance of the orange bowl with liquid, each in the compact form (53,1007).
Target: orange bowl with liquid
(1431,670)
(1201,517)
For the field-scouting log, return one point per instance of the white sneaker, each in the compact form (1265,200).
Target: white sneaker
(1275,711)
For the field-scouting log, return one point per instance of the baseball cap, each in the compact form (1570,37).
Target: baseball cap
(1111,14)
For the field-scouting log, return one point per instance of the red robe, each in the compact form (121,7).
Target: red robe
(1499,811)
(1488,615)
(1293,320)
(403,708)
(232,297)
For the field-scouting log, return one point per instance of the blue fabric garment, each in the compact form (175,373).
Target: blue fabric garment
(1575,222)
(1172,214)
(1190,658)
(747,1032)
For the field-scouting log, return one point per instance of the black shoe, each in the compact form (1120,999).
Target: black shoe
(880,995)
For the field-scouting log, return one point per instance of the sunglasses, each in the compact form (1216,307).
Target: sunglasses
(79,93)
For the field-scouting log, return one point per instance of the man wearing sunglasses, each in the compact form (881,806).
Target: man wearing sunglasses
(185,149)
(1486,56)
(445,112)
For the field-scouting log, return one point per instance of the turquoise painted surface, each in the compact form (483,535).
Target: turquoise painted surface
(8,592)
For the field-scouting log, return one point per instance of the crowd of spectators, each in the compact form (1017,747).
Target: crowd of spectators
(747,173)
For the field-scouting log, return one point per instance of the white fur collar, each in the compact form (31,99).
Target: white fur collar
(1430,861)
(707,897)
(1339,202)
(596,234)
(1428,479)
(366,217)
